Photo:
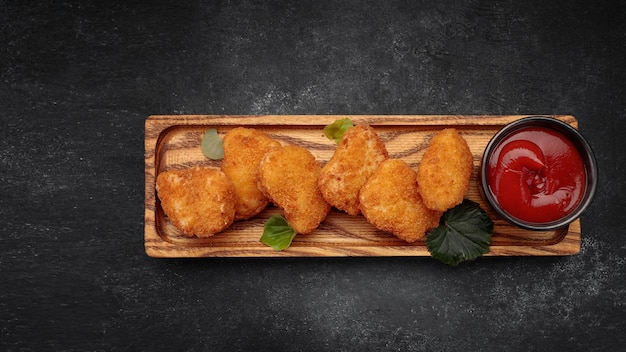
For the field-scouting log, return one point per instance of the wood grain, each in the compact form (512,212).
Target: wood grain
(173,142)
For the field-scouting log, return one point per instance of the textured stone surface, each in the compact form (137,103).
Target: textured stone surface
(77,81)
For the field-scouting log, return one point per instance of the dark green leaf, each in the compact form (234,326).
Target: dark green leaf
(335,130)
(212,145)
(277,233)
(464,233)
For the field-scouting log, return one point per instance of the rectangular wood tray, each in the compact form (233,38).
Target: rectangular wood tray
(173,141)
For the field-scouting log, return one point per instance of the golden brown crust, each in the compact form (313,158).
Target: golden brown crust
(357,156)
(444,172)
(390,201)
(288,177)
(199,201)
(243,150)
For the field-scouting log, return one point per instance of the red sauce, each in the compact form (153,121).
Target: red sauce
(537,175)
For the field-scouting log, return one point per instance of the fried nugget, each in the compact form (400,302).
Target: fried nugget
(199,201)
(390,201)
(243,150)
(288,177)
(358,154)
(444,172)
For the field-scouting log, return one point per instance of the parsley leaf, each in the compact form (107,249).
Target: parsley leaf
(277,233)
(335,130)
(464,233)
(212,145)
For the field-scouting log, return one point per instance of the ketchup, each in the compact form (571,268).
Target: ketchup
(537,175)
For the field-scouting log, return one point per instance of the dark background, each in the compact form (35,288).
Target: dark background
(78,80)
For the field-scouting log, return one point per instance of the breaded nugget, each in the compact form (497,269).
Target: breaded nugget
(288,177)
(199,201)
(390,201)
(243,150)
(444,172)
(358,154)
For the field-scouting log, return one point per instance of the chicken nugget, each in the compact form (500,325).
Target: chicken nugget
(358,154)
(390,201)
(288,177)
(444,172)
(199,201)
(243,150)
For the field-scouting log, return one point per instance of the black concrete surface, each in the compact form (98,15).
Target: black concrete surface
(78,79)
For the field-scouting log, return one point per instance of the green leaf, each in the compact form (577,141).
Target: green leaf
(464,233)
(335,130)
(277,233)
(212,145)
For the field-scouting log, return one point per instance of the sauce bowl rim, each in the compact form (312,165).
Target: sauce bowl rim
(584,150)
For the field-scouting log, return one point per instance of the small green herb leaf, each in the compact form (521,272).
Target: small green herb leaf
(464,233)
(335,130)
(277,233)
(212,145)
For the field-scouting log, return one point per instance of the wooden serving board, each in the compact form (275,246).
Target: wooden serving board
(173,142)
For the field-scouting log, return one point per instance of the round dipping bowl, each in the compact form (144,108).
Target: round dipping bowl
(518,201)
